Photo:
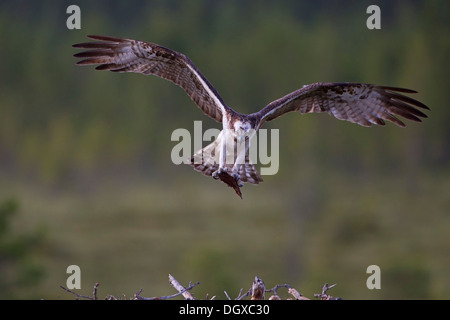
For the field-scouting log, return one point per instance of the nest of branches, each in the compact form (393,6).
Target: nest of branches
(257,291)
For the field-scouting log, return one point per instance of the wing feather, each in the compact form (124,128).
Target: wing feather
(364,104)
(127,55)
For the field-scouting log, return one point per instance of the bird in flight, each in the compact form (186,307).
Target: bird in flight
(360,103)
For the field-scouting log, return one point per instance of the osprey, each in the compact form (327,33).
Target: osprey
(364,104)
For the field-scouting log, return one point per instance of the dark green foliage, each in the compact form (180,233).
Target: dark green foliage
(19,269)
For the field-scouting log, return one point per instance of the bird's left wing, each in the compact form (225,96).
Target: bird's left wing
(127,55)
(364,104)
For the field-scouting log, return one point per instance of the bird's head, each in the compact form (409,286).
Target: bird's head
(242,130)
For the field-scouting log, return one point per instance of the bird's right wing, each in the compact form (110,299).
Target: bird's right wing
(127,55)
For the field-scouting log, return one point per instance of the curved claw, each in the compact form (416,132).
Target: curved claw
(217,173)
(237,177)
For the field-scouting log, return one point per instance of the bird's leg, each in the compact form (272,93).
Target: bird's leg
(222,160)
(236,175)
(240,160)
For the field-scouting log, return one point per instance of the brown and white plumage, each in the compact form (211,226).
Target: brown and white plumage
(364,104)
(127,55)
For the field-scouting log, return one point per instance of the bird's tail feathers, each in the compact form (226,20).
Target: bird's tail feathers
(206,161)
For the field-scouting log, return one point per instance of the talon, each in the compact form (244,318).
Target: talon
(237,177)
(216,174)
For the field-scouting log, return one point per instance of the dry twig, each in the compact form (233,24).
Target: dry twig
(78,296)
(182,290)
(324,295)
(297,295)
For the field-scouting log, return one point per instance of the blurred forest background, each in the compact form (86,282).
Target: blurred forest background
(86,176)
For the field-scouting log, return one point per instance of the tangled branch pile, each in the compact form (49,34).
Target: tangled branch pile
(256,292)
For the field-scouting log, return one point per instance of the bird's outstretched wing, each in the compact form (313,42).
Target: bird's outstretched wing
(127,55)
(364,104)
